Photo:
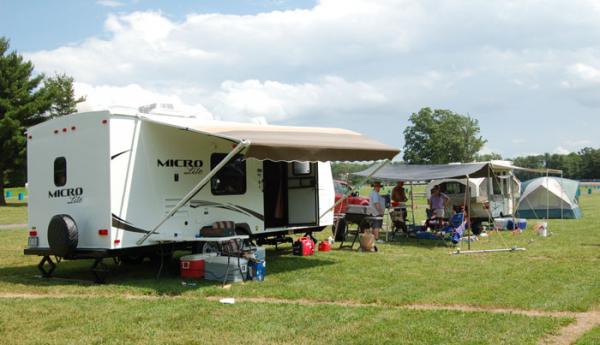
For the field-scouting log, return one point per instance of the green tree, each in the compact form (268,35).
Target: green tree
(441,136)
(25,99)
(60,90)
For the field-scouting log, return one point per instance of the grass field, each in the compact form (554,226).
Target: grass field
(339,297)
(592,338)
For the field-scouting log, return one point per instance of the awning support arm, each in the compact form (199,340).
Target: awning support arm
(237,149)
(362,182)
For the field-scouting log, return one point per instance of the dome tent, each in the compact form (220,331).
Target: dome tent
(549,197)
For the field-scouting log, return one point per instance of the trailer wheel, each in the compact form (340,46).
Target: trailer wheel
(62,235)
(210,247)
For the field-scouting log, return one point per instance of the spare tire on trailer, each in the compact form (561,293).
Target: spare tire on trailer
(62,235)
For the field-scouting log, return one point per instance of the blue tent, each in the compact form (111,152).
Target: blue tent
(549,197)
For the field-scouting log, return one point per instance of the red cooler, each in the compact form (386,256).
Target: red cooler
(192,266)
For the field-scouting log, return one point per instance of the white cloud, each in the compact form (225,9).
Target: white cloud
(278,101)
(502,62)
(584,73)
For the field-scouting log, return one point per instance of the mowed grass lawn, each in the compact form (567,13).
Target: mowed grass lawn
(557,273)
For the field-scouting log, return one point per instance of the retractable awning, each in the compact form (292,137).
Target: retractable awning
(285,143)
(415,173)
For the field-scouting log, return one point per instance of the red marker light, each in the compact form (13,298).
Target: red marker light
(117,241)
(73,128)
(56,131)
(105,121)
(64,129)
(103,232)
(33,233)
(30,137)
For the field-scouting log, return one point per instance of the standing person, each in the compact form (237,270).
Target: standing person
(438,202)
(378,202)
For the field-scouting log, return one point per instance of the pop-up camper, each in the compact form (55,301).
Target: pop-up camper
(119,183)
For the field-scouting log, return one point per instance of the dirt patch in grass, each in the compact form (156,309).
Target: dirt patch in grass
(584,322)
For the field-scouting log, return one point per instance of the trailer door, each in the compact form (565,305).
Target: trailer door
(303,205)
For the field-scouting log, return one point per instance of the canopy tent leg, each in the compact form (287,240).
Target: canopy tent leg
(237,149)
(562,190)
(548,195)
(468,210)
(412,204)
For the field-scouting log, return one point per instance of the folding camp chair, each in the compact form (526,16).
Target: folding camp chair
(455,228)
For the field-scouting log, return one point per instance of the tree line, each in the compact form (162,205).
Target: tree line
(582,165)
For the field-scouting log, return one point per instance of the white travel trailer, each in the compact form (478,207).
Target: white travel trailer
(122,183)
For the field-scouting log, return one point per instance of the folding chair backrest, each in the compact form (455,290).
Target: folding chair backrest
(457,220)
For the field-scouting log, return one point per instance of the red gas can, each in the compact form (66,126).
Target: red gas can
(304,246)
(325,246)
(192,266)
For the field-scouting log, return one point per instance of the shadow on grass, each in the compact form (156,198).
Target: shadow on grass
(145,276)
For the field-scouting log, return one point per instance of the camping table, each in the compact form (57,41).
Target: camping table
(224,241)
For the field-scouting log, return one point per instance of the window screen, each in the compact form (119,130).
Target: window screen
(60,171)
(452,188)
(231,179)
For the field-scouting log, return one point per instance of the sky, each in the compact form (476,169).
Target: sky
(528,70)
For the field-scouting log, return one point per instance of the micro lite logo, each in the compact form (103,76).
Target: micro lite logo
(74,195)
(191,166)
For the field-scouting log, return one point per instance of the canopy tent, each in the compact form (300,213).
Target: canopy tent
(428,172)
(285,143)
(549,197)
(420,173)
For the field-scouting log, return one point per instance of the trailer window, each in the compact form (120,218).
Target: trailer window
(60,171)
(496,188)
(231,179)
(452,188)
